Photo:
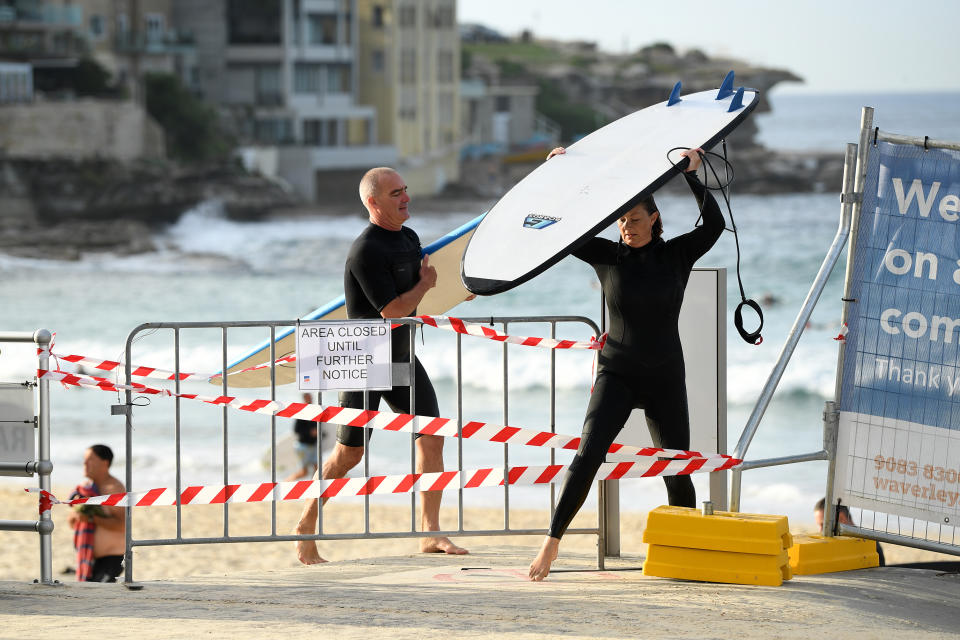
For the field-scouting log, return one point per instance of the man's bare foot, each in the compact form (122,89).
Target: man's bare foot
(540,567)
(307,551)
(441,545)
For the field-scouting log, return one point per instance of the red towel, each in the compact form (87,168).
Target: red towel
(83,534)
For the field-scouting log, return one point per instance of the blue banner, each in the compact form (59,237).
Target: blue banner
(902,357)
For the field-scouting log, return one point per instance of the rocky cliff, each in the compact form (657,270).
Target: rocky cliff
(60,207)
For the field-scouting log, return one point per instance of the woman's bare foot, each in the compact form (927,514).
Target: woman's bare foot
(540,567)
(441,545)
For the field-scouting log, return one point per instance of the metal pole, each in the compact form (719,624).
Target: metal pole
(225,430)
(829,261)
(506,447)
(42,338)
(831,423)
(178,431)
(127,410)
(831,416)
(460,428)
(608,500)
(412,395)
(859,176)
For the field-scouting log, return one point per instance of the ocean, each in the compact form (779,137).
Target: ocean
(209,268)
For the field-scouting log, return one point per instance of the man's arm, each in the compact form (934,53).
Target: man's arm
(114,518)
(404,304)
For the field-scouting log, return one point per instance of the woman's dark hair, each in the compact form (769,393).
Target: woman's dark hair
(651,206)
(103,452)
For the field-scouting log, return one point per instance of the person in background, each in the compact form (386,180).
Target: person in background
(843,517)
(306,447)
(99,531)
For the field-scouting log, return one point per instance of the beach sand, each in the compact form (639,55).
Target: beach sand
(383,588)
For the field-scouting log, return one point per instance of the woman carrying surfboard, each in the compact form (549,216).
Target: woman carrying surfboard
(641,364)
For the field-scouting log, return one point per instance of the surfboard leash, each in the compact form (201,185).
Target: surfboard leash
(723,186)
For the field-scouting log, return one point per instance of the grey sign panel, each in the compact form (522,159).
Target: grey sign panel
(17,428)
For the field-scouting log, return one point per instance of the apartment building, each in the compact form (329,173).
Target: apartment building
(284,73)
(409,59)
(42,33)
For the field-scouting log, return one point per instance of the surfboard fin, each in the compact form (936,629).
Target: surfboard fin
(674,95)
(737,102)
(726,88)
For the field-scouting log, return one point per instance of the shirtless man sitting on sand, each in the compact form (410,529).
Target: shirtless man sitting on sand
(99,530)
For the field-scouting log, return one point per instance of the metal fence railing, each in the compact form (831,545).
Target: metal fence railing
(402,374)
(40,466)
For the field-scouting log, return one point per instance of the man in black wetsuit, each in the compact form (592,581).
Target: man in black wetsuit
(641,364)
(385,278)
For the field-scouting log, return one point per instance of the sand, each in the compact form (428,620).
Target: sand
(383,588)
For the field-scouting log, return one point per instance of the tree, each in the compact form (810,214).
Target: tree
(192,128)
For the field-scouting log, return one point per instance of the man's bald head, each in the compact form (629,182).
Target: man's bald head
(370,183)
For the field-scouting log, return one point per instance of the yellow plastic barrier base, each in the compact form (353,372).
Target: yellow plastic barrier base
(750,533)
(717,566)
(816,554)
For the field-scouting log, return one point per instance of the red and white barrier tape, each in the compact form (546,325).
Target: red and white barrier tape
(383,420)
(159,374)
(393,484)
(482,331)
(440,322)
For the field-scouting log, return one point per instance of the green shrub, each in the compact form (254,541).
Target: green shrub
(192,128)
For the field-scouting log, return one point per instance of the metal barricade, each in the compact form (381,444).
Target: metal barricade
(406,375)
(849,201)
(42,465)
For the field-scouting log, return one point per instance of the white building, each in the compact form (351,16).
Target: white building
(285,73)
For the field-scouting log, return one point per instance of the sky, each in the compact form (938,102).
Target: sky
(835,45)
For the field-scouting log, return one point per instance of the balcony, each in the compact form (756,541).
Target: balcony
(166,43)
(46,16)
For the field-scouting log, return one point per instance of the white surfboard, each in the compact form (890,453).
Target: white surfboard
(571,198)
(445,256)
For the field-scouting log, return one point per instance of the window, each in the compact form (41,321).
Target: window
(306,78)
(253,22)
(312,132)
(268,85)
(445,66)
(445,109)
(155,27)
(321,29)
(377,61)
(122,24)
(408,66)
(377,17)
(273,131)
(338,78)
(502,104)
(322,133)
(408,16)
(443,17)
(96,27)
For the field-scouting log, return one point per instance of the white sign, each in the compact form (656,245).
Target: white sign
(344,356)
(703,336)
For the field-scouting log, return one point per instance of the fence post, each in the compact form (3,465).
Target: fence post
(43,338)
(831,424)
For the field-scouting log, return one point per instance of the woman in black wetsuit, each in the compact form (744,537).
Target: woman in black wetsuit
(641,364)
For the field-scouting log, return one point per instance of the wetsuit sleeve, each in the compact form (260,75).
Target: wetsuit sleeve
(697,242)
(597,251)
(371,270)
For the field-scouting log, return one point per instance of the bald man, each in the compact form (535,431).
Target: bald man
(384,277)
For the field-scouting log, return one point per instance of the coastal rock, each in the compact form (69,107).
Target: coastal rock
(58,208)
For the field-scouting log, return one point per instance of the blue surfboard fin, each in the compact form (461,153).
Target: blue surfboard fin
(726,88)
(674,95)
(737,102)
